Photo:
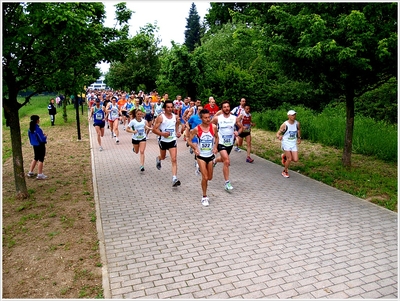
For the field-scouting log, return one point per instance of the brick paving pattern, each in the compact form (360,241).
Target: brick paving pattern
(270,238)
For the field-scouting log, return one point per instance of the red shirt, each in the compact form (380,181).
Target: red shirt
(211,110)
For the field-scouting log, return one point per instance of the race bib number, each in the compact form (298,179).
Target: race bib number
(114,115)
(227,140)
(171,133)
(205,145)
(246,128)
(140,134)
(292,135)
(98,116)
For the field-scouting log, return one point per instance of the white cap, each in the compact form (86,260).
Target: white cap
(291,112)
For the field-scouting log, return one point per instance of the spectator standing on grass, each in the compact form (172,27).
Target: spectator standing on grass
(58,100)
(290,135)
(52,111)
(38,140)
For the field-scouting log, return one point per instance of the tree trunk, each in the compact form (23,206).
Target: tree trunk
(64,107)
(15,133)
(348,139)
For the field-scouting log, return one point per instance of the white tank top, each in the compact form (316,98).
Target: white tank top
(138,126)
(114,113)
(226,127)
(206,141)
(291,133)
(168,125)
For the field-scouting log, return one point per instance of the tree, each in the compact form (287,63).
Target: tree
(176,70)
(141,63)
(42,44)
(344,48)
(193,29)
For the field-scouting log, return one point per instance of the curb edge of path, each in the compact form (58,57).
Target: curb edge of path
(99,227)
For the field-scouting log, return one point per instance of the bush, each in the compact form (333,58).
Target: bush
(370,137)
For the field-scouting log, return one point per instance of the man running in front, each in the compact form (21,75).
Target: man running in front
(205,150)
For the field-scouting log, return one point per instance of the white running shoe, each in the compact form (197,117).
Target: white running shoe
(237,149)
(204,201)
(197,171)
(41,177)
(117,140)
(100,148)
(228,186)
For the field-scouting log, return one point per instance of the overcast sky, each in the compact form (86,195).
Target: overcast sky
(170,16)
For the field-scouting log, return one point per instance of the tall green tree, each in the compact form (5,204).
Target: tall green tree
(141,64)
(42,44)
(193,29)
(344,48)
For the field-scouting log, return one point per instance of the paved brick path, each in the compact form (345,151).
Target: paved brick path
(270,238)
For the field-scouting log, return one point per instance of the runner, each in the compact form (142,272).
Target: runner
(98,114)
(193,109)
(157,108)
(205,150)
(121,104)
(166,126)
(137,127)
(211,107)
(128,107)
(237,111)
(184,107)
(113,118)
(226,133)
(245,120)
(178,105)
(290,135)
(149,111)
(193,121)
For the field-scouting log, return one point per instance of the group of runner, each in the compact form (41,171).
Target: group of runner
(207,131)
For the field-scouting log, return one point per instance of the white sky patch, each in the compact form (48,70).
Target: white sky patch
(170,16)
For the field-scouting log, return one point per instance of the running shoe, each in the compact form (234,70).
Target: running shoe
(41,177)
(191,151)
(117,140)
(249,160)
(124,128)
(204,201)
(176,183)
(285,174)
(197,171)
(141,168)
(158,163)
(115,135)
(283,159)
(214,162)
(237,149)
(228,186)
(100,148)
(30,174)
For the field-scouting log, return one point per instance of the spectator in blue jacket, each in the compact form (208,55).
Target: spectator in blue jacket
(38,140)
